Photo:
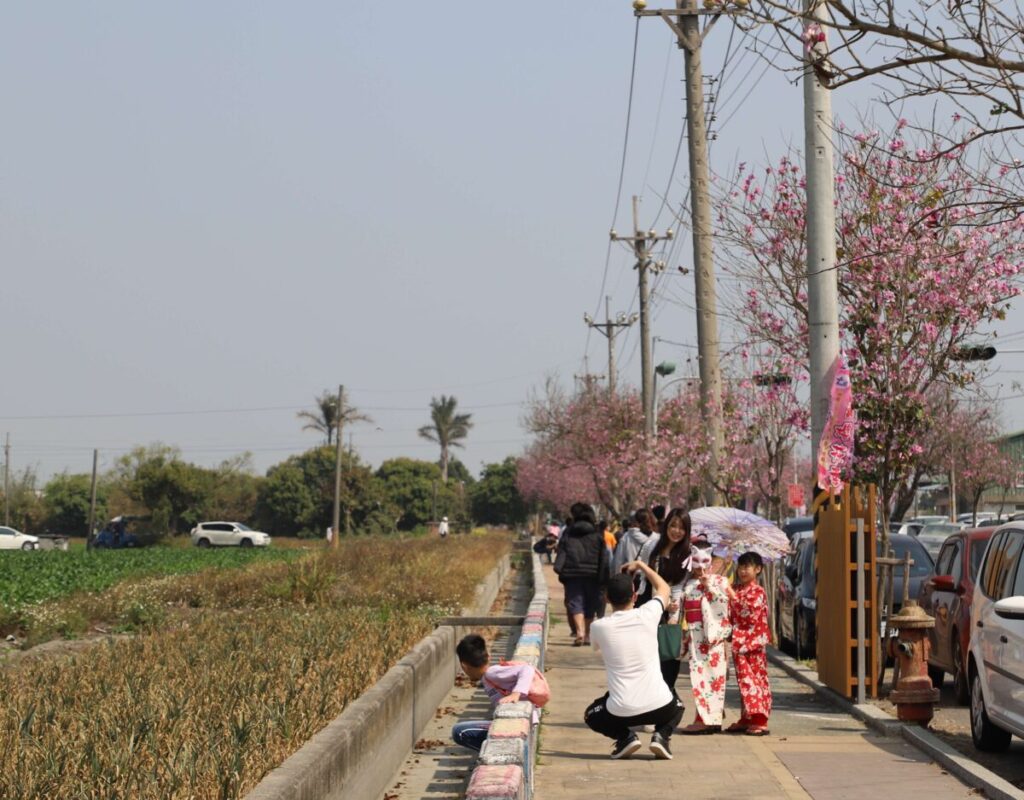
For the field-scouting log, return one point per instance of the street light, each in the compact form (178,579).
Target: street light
(664,369)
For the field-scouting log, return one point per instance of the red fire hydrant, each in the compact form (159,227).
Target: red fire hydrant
(914,695)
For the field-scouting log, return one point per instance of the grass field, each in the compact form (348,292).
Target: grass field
(231,670)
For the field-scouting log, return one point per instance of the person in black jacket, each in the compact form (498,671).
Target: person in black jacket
(582,568)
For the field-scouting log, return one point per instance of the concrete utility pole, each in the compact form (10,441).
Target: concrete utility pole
(7,480)
(642,241)
(609,329)
(684,20)
(92,500)
(336,518)
(822,283)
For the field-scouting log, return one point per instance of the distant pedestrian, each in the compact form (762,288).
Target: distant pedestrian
(507,682)
(749,615)
(706,599)
(442,528)
(627,640)
(330,534)
(582,567)
(640,528)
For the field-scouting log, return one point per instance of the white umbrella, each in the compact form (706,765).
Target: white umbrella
(733,532)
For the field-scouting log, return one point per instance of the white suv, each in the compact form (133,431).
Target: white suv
(11,539)
(210,534)
(995,666)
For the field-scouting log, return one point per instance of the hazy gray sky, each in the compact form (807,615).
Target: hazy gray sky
(233,206)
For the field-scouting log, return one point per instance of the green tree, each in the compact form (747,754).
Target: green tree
(66,503)
(26,507)
(302,501)
(446,428)
(411,486)
(234,490)
(324,419)
(495,498)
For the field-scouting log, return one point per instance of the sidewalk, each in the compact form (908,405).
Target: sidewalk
(815,750)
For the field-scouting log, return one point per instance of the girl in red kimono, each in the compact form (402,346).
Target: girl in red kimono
(749,616)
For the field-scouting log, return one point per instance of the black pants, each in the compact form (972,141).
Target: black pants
(600,719)
(670,674)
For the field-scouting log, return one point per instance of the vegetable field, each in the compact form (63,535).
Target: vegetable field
(242,668)
(48,574)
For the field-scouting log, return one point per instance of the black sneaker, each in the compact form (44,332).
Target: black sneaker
(624,748)
(659,746)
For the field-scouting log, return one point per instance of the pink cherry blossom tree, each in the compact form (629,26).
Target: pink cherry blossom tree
(922,269)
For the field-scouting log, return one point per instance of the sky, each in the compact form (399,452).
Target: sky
(211,213)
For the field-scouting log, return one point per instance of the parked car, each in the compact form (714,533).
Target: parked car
(796,607)
(934,534)
(995,664)
(947,596)
(907,528)
(11,539)
(795,525)
(227,534)
(796,604)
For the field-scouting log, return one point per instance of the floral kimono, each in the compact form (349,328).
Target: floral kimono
(706,609)
(749,612)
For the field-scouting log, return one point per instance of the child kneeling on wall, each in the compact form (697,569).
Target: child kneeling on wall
(505,682)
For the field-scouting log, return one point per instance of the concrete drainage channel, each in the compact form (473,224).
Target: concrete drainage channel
(355,756)
(505,771)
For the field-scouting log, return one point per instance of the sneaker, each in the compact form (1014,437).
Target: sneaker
(626,747)
(659,746)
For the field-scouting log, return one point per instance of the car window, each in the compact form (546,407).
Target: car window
(218,526)
(945,558)
(992,564)
(242,527)
(6,532)
(1018,583)
(922,561)
(977,551)
(1012,546)
(956,567)
(807,559)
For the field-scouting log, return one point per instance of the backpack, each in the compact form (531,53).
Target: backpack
(540,692)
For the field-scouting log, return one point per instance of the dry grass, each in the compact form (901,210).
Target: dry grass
(237,672)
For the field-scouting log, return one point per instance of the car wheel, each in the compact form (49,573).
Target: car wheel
(986,736)
(245,543)
(203,543)
(27,546)
(961,688)
(937,676)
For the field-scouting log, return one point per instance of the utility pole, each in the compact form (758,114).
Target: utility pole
(7,480)
(92,501)
(610,329)
(348,506)
(822,283)
(588,379)
(642,242)
(336,518)
(686,26)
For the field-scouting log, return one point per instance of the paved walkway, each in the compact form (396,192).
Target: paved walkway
(815,750)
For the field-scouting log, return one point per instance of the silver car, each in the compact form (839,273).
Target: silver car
(228,534)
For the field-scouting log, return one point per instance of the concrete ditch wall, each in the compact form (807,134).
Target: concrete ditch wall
(505,770)
(356,755)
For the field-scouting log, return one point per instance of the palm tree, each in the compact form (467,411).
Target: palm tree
(446,428)
(325,418)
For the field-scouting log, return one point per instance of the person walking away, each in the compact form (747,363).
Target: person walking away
(442,528)
(668,553)
(582,567)
(507,682)
(627,640)
(706,599)
(748,612)
(640,528)
(609,543)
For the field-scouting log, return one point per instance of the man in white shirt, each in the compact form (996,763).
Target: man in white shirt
(442,529)
(628,643)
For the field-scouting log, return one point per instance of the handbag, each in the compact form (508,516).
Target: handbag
(670,641)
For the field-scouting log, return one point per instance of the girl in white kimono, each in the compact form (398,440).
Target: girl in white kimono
(706,610)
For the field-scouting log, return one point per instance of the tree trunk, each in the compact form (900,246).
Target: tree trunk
(444,464)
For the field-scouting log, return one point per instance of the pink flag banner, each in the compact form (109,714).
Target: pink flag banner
(835,451)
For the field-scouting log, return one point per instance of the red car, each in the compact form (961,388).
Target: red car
(947,597)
